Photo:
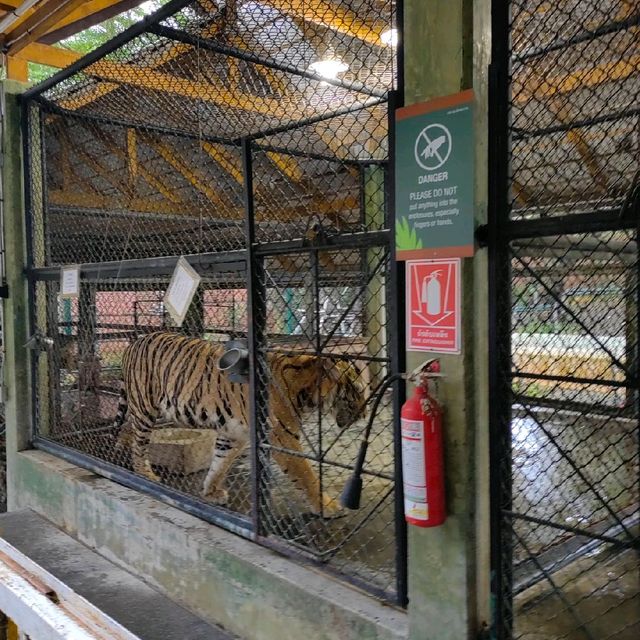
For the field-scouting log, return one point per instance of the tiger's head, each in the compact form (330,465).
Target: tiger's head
(342,391)
(311,381)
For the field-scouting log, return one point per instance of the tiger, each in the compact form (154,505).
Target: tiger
(176,377)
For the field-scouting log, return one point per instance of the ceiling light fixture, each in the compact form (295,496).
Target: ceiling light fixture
(329,67)
(389,37)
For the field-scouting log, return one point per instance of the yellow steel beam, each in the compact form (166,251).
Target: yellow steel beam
(522,193)
(146,78)
(88,8)
(288,165)
(67,178)
(48,55)
(44,18)
(543,87)
(110,144)
(560,110)
(161,57)
(132,154)
(80,199)
(96,166)
(154,182)
(225,158)
(193,176)
(336,18)
(17,69)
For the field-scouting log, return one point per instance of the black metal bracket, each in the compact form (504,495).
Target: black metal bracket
(4,291)
(481,235)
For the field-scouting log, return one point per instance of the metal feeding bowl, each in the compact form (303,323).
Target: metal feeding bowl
(235,361)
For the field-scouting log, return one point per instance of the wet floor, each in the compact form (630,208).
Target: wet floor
(575,471)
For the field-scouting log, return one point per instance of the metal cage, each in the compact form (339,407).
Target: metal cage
(208,131)
(564,320)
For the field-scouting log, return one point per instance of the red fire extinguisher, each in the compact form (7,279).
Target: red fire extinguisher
(422,459)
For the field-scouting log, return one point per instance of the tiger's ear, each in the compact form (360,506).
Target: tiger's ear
(334,369)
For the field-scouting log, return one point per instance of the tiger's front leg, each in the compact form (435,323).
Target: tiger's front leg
(300,471)
(141,427)
(231,441)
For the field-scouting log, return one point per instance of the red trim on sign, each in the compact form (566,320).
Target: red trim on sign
(433,105)
(464,251)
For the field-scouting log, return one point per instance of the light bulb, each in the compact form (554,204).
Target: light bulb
(329,67)
(389,37)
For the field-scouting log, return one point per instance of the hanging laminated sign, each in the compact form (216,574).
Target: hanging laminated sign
(434,178)
(183,285)
(69,282)
(433,305)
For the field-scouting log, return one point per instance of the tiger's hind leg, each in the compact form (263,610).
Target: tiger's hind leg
(141,427)
(231,441)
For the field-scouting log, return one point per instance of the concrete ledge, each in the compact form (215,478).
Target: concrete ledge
(225,579)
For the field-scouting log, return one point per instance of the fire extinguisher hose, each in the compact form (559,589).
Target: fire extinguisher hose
(350,497)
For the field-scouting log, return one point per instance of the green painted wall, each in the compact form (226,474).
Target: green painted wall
(446,50)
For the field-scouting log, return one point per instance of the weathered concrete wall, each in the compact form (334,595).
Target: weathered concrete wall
(248,589)
(15,330)
(447,44)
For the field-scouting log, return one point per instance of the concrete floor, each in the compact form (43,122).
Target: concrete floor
(603,591)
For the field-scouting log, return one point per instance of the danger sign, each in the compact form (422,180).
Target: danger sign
(433,305)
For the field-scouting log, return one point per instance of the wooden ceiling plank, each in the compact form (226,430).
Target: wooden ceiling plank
(17,69)
(192,176)
(38,23)
(288,165)
(47,55)
(110,144)
(327,14)
(226,160)
(84,18)
(117,73)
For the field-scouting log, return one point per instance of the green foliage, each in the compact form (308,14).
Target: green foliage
(94,37)
(406,237)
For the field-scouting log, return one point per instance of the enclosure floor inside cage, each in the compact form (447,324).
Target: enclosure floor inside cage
(603,590)
(355,543)
(547,487)
(563,580)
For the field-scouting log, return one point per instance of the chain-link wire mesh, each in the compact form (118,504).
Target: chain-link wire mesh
(251,137)
(567,344)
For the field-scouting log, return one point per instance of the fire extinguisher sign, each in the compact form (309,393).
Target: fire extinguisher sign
(433,305)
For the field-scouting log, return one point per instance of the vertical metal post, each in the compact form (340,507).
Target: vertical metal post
(398,357)
(631,284)
(256,319)
(500,322)
(25,118)
(317,347)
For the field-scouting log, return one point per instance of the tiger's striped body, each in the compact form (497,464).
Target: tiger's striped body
(166,375)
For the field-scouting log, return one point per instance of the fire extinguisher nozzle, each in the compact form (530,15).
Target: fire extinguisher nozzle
(350,497)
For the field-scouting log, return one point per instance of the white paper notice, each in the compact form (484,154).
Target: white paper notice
(70,282)
(183,285)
